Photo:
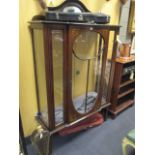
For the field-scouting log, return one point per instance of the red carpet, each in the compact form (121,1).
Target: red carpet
(92,121)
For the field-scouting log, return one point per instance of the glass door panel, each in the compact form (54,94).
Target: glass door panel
(87,54)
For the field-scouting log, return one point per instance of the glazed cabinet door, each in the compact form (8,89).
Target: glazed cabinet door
(87,54)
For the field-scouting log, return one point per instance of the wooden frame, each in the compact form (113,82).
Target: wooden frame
(70,30)
(74,31)
(69,34)
(123,88)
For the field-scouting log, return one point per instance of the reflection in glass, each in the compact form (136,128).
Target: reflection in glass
(86,73)
(40,71)
(57,51)
(106,81)
(108,68)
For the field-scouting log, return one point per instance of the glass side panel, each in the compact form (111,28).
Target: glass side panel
(86,70)
(57,49)
(106,81)
(108,68)
(40,71)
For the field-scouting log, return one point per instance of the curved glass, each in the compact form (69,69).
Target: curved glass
(87,54)
(86,45)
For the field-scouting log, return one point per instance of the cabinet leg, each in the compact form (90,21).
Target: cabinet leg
(106,113)
(113,116)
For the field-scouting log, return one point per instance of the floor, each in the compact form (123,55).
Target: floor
(102,140)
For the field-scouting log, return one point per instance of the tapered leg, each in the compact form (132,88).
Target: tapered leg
(106,114)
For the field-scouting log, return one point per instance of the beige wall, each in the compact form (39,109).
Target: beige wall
(28,9)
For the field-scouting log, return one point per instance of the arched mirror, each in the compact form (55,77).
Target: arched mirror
(88,49)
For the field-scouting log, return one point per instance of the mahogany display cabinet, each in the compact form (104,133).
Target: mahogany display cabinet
(74,63)
(70,66)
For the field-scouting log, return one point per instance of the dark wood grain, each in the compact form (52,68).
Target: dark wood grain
(49,77)
(70,32)
(122,90)
(127,83)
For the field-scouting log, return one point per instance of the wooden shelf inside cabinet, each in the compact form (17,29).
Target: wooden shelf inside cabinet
(126,93)
(123,88)
(127,83)
(123,107)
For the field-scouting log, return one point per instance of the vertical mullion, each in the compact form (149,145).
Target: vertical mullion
(49,77)
(65,42)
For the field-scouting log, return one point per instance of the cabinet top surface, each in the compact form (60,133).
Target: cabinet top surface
(45,22)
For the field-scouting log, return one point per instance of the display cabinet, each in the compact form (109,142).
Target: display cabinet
(70,65)
(73,68)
